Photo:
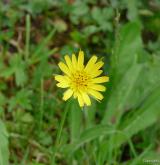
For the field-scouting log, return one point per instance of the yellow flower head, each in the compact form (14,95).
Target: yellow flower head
(81,81)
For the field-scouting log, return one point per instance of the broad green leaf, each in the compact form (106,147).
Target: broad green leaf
(125,70)
(145,155)
(89,135)
(135,86)
(127,48)
(140,118)
(144,116)
(134,81)
(122,92)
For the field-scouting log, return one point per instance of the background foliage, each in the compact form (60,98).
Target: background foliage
(34,36)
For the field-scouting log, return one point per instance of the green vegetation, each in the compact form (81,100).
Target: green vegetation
(125,127)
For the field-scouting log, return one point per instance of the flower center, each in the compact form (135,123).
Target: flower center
(80,79)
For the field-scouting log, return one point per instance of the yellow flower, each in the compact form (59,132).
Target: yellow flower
(81,81)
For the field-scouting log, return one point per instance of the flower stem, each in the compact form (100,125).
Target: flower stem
(61,127)
(28,28)
(41,104)
(57,143)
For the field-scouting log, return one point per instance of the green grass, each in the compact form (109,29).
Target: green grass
(36,126)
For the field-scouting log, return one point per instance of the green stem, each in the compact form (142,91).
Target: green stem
(28,27)
(57,143)
(61,127)
(41,104)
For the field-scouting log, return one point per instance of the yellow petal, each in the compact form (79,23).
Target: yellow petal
(64,68)
(74,61)
(80,60)
(100,79)
(96,73)
(62,79)
(98,65)
(90,63)
(86,98)
(95,94)
(75,94)
(68,62)
(62,85)
(98,87)
(80,100)
(67,94)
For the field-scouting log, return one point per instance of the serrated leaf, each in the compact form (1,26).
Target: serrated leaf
(22,99)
